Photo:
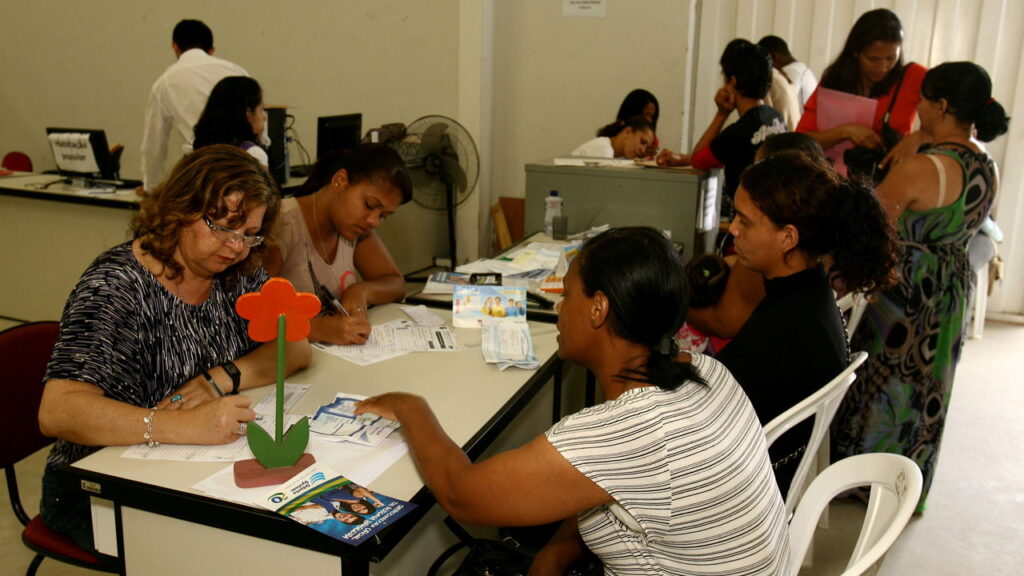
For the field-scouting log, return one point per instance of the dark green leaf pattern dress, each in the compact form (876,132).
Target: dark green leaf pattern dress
(914,332)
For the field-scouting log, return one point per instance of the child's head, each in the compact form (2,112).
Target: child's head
(707,275)
(789,141)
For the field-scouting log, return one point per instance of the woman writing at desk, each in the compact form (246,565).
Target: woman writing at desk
(325,241)
(635,479)
(150,348)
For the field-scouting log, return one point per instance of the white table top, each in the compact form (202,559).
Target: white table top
(467,394)
(30,184)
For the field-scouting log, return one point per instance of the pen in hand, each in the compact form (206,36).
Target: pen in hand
(337,306)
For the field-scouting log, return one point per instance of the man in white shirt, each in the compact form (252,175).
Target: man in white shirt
(178,97)
(800,77)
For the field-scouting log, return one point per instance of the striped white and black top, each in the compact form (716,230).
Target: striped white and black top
(690,476)
(123,331)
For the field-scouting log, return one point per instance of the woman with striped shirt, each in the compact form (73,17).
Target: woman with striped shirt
(669,475)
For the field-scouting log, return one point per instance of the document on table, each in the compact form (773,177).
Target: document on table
(393,339)
(422,315)
(606,162)
(362,464)
(508,344)
(237,450)
(338,422)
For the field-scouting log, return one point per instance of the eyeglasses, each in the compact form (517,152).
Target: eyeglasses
(227,235)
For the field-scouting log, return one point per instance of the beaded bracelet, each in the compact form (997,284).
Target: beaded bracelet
(148,436)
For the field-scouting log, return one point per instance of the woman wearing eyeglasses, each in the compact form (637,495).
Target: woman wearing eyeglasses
(325,241)
(151,349)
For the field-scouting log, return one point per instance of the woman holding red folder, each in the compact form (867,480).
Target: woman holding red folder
(871,65)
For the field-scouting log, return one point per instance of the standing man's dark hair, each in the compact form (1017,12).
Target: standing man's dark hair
(190,34)
(778,49)
(750,64)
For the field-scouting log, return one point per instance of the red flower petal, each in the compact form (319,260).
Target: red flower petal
(277,297)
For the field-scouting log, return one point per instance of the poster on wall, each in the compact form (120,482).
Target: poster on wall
(583,8)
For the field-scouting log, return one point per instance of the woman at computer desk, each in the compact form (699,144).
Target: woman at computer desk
(325,241)
(634,479)
(234,114)
(151,349)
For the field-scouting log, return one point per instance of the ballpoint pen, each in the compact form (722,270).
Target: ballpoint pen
(337,306)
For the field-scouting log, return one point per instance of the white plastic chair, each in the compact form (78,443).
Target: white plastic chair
(855,303)
(822,405)
(895,482)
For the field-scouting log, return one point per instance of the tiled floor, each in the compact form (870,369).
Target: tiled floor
(976,509)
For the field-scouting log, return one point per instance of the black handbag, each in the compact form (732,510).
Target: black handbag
(862,161)
(486,557)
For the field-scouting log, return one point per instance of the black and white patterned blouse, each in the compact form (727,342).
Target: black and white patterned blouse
(123,331)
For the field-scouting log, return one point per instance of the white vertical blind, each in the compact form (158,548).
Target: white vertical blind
(988,32)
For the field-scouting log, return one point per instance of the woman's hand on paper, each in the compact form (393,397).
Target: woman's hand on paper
(193,393)
(669,158)
(340,329)
(345,330)
(216,422)
(387,405)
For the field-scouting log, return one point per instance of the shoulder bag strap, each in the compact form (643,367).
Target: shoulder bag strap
(896,93)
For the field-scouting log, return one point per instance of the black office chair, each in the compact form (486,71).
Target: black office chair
(24,352)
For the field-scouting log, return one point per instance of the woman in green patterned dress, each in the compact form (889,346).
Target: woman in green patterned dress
(914,332)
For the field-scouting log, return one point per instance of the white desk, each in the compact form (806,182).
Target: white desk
(165,527)
(49,237)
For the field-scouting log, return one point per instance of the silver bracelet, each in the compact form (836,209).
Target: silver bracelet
(148,436)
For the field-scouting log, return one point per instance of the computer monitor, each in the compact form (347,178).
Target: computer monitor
(82,154)
(338,133)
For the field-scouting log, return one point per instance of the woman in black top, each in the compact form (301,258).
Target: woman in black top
(792,213)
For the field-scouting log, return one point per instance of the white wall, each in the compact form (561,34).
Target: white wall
(91,64)
(557,80)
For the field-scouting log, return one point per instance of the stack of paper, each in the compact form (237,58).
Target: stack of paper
(508,344)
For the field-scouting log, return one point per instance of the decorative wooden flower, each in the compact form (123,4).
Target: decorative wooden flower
(278,311)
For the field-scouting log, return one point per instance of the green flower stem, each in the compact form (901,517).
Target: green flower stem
(279,425)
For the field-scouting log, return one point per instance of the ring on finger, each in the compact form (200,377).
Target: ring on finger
(178,398)
(243,427)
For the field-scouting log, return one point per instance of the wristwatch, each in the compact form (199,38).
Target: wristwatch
(234,373)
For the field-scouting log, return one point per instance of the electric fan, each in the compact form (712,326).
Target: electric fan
(444,165)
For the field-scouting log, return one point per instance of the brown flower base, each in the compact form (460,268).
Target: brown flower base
(252,474)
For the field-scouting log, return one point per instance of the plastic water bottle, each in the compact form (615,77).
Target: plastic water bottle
(552,208)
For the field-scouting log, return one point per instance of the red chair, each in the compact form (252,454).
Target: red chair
(24,352)
(17,161)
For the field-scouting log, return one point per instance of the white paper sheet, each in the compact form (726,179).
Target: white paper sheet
(394,339)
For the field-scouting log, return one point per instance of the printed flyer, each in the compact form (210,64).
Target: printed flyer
(334,505)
